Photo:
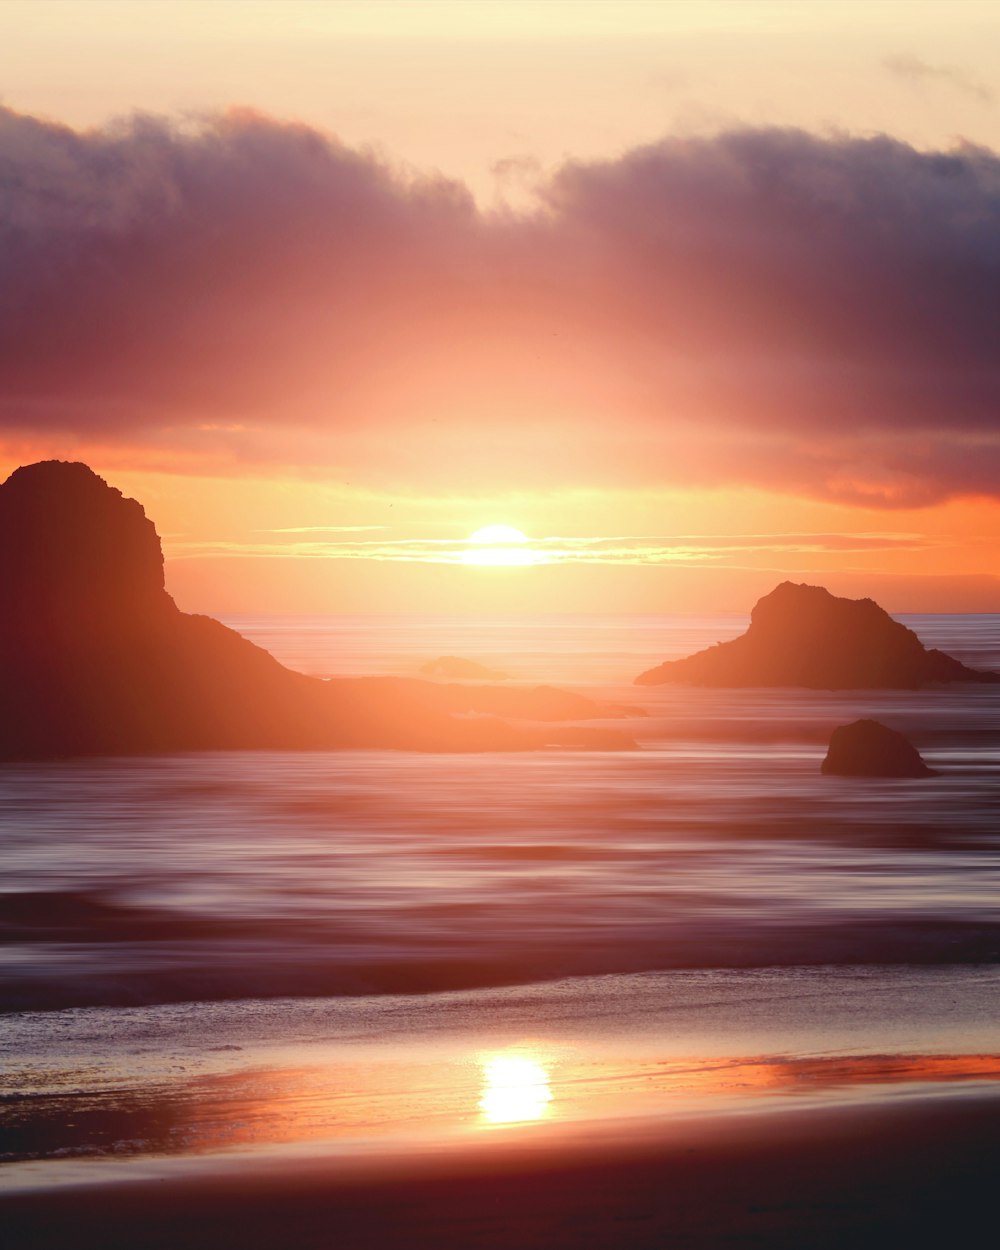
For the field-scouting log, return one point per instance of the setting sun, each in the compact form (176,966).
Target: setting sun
(500,545)
(515,1089)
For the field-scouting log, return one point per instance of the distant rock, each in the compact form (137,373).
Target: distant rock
(586,737)
(805,636)
(521,702)
(96,659)
(454,668)
(869,749)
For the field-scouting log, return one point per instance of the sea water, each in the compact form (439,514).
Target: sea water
(716,844)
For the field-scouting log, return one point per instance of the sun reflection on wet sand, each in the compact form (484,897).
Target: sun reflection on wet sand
(516,1089)
(411,1103)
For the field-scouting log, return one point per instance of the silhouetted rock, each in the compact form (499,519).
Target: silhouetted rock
(805,636)
(454,668)
(75,553)
(520,702)
(869,749)
(96,659)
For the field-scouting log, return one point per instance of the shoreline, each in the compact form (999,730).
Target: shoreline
(913,1172)
(696,1033)
(822,1108)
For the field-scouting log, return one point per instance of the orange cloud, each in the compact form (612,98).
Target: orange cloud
(769,308)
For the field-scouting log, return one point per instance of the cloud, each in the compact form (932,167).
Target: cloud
(733,550)
(914,70)
(766,307)
(321,529)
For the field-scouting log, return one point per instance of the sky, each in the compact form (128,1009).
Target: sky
(698,296)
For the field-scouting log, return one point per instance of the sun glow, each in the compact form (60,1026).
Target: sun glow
(515,1089)
(490,535)
(500,545)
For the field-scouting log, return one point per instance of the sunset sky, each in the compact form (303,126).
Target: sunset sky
(699,296)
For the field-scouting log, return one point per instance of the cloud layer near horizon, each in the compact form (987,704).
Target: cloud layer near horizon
(771,308)
(625,549)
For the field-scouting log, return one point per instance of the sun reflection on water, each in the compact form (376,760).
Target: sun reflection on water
(515,1089)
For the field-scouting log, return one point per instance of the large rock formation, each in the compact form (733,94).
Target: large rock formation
(804,636)
(867,748)
(95,657)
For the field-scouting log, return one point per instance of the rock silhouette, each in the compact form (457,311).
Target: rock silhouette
(544,703)
(96,658)
(805,636)
(868,748)
(455,668)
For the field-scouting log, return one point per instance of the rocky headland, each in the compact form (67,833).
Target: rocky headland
(805,636)
(96,658)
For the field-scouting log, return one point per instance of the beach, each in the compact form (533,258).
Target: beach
(918,1175)
(773,1107)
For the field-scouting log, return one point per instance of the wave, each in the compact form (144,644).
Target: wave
(718,844)
(112,957)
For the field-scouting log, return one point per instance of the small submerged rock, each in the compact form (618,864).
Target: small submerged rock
(455,668)
(867,748)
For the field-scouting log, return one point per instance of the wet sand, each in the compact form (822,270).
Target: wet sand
(780,1108)
(916,1173)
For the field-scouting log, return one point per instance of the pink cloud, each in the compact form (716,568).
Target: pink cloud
(815,314)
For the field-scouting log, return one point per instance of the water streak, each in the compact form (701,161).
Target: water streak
(718,844)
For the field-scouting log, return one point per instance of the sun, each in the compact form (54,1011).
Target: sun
(515,1089)
(500,545)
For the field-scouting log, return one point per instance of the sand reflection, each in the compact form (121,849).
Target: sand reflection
(516,1089)
(378,1100)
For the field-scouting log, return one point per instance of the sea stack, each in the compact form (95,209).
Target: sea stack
(805,636)
(96,658)
(868,748)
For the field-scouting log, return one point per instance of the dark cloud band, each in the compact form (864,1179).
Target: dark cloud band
(768,307)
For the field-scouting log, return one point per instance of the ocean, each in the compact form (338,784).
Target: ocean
(241,897)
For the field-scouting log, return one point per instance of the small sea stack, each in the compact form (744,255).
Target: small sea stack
(868,748)
(805,636)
